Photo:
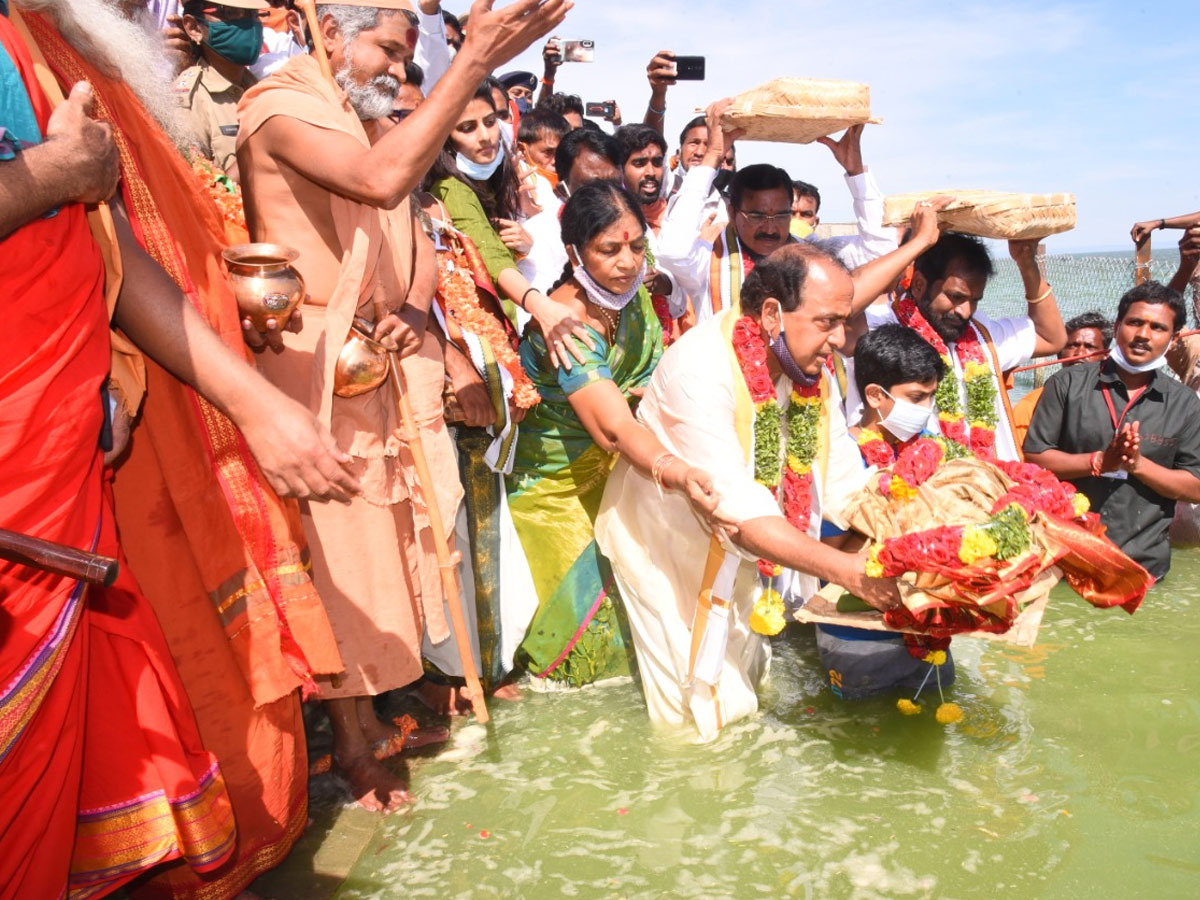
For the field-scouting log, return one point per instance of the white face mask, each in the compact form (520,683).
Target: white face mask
(1118,357)
(907,419)
(480,171)
(602,297)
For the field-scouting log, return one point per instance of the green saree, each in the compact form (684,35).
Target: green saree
(578,635)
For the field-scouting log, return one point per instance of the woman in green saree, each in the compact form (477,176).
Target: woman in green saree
(569,441)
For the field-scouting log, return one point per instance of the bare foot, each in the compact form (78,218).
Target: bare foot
(508,692)
(442,699)
(372,785)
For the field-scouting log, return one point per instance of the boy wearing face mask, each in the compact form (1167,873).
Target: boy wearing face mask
(896,373)
(228,37)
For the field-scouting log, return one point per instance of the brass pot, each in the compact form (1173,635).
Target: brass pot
(264,282)
(362,366)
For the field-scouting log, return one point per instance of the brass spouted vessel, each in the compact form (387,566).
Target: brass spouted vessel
(363,363)
(264,282)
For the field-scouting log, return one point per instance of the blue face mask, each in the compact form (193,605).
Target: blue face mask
(523,105)
(480,171)
(239,41)
(788,363)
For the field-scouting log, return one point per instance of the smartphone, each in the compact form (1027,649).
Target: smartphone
(605,110)
(579,51)
(689,68)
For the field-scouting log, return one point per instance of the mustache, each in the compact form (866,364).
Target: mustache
(387,83)
(650,181)
(768,236)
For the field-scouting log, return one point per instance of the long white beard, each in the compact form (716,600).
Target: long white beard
(127,50)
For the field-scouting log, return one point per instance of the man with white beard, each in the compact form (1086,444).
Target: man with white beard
(323,175)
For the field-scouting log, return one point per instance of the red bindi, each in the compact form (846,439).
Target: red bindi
(625,235)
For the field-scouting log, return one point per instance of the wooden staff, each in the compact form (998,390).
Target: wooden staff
(58,559)
(450,592)
(314,32)
(1141,269)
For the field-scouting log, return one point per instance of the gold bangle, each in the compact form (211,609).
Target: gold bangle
(1035,301)
(660,467)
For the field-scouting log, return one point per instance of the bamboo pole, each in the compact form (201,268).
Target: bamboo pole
(309,8)
(447,568)
(1141,268)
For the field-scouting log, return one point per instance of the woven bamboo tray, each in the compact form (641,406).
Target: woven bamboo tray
(799,110)
(991,214)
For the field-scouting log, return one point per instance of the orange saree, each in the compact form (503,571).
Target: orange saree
(101,768)
(219,555)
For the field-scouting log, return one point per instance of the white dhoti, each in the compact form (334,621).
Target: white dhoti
(697,405)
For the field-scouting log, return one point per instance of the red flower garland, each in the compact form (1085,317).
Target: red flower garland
(751,352)
(974,429)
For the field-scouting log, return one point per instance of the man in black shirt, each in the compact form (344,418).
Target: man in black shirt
(1123,431)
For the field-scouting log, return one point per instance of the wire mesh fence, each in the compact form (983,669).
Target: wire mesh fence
(1086,282)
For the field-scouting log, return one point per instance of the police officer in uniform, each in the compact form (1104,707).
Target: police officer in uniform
(229,38)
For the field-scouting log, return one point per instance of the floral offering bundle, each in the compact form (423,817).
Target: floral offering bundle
(974,541)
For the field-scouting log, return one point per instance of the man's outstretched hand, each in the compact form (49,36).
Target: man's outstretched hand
(297,454)
(497,35)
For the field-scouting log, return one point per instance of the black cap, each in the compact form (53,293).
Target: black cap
(518,79)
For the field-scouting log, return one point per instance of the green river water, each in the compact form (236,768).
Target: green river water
(1075,773)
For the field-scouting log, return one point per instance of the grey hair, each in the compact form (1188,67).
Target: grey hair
(354,20)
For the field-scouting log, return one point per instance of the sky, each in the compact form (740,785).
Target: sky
(1097,99)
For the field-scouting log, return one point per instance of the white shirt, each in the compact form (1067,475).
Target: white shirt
(688,256)
(1014,338)
(683,251)
(690,406)
(432,53)
(278,48)
(873,239)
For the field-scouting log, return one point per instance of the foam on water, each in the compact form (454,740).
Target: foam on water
(1069,773)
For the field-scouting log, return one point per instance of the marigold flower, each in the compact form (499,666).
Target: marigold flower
(948,713)
(767,616)
(976,545)
(907,707)
(900,489)
(1080,504)
(874,568)
(935,657)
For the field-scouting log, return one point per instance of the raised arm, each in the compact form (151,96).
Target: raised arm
(880,275)
(1043,308)
(660,72)
(873,239)
(1189,255)
(390,170)
(433,53)
(1142,229)
(552,60)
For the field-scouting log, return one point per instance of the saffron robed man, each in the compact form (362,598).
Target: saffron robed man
(346,209)
(745,396)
